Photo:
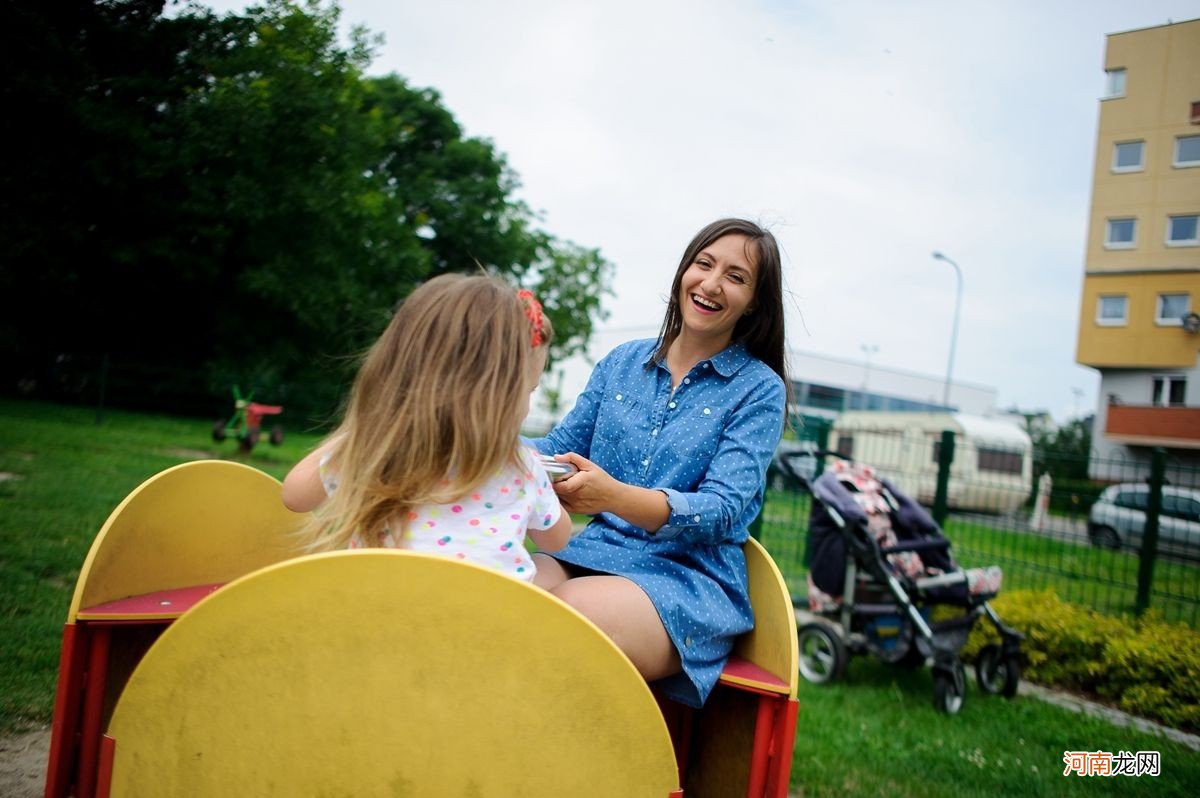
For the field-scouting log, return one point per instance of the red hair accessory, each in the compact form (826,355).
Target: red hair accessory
(533,311)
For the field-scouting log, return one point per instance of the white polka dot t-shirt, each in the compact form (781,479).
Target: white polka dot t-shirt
(486,527)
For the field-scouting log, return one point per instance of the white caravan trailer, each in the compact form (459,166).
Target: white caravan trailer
(993,459)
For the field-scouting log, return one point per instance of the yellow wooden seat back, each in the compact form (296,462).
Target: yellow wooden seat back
(198,523)
(772,644)
(384,672)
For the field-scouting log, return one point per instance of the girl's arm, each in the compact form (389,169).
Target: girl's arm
(303,489)
(556,536)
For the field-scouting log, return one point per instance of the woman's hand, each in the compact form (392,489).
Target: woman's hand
(588,491)
(592,490)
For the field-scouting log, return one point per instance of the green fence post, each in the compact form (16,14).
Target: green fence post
(1158,468)
(945,460)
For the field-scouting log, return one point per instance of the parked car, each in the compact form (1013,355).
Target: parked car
(793,466)
(1118,517)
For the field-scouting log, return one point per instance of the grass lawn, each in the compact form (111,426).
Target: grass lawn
(875,733)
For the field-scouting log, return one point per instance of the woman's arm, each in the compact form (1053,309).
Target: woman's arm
(593,490)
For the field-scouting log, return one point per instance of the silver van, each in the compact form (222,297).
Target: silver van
(1119,516)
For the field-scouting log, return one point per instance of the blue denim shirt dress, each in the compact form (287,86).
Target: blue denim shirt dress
(706,446)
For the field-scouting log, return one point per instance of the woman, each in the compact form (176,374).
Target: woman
(672,438)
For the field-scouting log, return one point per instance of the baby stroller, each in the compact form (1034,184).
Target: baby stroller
(878,565)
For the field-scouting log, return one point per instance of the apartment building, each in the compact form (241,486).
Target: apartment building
(1139,324)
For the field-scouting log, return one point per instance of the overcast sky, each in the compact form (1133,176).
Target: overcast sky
(865,133)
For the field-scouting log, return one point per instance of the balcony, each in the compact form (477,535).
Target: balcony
(1144,425)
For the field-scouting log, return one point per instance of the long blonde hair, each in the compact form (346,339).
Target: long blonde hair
(436,407)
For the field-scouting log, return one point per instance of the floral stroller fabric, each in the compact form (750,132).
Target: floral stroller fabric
(879,565)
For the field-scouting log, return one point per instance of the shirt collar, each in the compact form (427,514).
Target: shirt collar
(726,362)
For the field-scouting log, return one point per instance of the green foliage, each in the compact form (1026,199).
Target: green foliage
(273,200)
(1148,667)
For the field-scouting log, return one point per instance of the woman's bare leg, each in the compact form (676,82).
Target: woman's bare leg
(625,613)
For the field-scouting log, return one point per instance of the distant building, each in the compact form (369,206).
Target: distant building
(1139,325)
(825,386)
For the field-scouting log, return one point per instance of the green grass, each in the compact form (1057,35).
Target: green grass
(63,475)
(877,733)
(874,733)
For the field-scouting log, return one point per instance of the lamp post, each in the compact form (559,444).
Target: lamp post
(868,350)
(954,330)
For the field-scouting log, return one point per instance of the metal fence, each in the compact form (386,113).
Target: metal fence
(1120,551)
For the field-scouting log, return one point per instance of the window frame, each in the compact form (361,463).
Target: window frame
(1182,242)
(1178,164)
(1161,386)
(1171,321)
(1141,164)
(1113,77)
(1108,229)
(1105,321)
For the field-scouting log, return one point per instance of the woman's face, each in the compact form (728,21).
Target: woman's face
(718,288)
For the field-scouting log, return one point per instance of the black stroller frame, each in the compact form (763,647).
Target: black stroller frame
(884,611)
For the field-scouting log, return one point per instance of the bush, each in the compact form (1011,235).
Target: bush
(1147,667)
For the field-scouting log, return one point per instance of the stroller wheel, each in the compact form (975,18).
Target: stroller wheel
(996,673)
(949,688)
(822,653)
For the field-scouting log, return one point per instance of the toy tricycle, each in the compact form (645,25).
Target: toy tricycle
(246,422)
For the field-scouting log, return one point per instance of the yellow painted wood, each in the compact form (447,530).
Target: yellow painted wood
(376,672)
(772,644)
(197,523)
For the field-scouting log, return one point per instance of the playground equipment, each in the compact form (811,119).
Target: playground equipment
(245,425)
(201,657)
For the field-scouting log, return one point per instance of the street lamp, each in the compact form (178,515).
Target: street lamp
(868,350)
(954,330)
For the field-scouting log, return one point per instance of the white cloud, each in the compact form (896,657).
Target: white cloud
(868,133)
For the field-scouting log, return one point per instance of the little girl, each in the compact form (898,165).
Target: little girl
(428,455)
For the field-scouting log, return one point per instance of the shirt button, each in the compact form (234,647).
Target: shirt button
(687,641)
(620,397)
(707,412)
(653,433)
(672,405)
(705,365)
(687,381)
(645,462)
(696,518)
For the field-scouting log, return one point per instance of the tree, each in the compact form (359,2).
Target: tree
(272,200)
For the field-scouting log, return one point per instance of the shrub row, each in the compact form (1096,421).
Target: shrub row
(1146,667)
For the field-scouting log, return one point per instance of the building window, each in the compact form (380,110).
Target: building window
(1168,391)
(1000,461)
(1120,233)
(1114,83)
(1112,311)
(1128,155)
(1187,151)
(1171,309)
(1181,230)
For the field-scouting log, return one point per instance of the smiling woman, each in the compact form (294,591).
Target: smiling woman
(672,438)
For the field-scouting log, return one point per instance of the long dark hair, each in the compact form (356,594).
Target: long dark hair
(761,331)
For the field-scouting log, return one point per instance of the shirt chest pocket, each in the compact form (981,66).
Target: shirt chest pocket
(622,421)
(695,432)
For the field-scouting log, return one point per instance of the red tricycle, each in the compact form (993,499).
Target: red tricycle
(245,425)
